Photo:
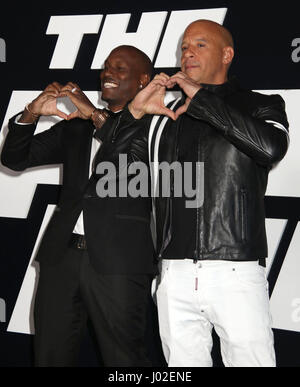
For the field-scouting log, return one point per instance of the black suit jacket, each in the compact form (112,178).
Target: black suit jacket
(117,230)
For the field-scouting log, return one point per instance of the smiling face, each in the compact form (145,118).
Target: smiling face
(207,51)
(122,77)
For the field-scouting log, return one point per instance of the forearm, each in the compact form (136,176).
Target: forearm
(17,145)
(22,149)
(137,129)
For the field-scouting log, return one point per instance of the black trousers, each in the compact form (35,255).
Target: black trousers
(70,293)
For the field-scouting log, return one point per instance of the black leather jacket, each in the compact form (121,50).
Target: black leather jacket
(238,146)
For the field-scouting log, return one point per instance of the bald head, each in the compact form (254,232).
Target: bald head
(222,34)
(207,52)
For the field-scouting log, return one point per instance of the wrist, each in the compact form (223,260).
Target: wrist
(28,116)
(28,107)
(99,117)
(137,114)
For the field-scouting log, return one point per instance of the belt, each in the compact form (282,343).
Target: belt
(78,242)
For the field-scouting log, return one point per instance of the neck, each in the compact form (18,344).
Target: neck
(115,107)
(216,79)
(219,80)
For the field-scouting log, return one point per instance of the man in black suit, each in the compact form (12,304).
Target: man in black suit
(96,257)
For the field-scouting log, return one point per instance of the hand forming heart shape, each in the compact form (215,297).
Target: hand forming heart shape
(55,95)
(151,100)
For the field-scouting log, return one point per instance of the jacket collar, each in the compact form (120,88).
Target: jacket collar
(229,87)
(223,90)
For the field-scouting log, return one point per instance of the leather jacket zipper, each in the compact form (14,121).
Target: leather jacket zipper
(114,136)
(199,234)
(165,240)
(244,214)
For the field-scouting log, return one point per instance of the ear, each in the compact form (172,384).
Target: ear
(144,80)
(228,54)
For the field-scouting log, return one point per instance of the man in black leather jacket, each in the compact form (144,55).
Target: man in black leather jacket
(97,256)
(210,250)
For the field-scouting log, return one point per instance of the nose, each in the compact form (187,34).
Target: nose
(187,53)
(106,72)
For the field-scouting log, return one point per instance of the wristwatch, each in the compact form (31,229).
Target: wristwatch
(99,116)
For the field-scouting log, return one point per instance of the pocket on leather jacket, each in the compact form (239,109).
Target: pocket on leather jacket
(244,214)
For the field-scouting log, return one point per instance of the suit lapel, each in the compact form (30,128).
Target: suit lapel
(84,152)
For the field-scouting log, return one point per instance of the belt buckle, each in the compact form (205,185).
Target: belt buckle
(81,244)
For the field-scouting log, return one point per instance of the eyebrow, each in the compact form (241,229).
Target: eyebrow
(197,40)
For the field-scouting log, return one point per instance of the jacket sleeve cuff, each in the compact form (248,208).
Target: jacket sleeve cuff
(19,126)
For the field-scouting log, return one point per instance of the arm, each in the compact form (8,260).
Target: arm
(138,150)
(22,149)
(263,137)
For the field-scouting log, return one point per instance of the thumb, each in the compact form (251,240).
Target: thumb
(61,114)
(169,113)
(182,109)
(73,115)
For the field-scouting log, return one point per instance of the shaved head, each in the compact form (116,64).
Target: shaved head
(207,52)
(220,32)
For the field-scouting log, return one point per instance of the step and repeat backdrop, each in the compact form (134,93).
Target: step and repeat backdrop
(40,44)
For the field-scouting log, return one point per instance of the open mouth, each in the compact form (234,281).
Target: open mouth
(110,84)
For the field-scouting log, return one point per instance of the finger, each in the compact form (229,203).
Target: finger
(71,95)
(179,74)
(44,98)
(171,83)
(74,87)
(159,82)
(54,86)
(162,76)
(73,115)
(57,85)
(50,94)
(66,93)
(182,109)
(73,84)
(181,82)
(67,87)
(61,114)
(51,89)
(177,77)
(168,112)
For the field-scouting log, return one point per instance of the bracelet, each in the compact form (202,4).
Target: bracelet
(29,111)
(98,117)
(91,116)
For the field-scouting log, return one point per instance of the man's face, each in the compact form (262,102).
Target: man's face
(202,54)
(120,79)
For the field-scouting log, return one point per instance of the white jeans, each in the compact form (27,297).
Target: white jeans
(232,297)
